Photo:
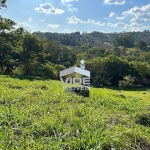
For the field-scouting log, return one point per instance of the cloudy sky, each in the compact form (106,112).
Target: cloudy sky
(67,16)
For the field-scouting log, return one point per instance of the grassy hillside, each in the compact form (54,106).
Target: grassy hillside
(39,115)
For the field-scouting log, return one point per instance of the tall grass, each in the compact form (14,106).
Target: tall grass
(39,115)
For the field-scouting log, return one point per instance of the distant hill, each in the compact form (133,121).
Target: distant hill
(94,38)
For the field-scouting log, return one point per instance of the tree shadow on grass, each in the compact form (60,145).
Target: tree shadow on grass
(130,89)
(25,77)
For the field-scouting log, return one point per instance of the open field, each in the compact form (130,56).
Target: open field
(39,115)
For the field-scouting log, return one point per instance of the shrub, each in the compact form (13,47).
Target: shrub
(127,82)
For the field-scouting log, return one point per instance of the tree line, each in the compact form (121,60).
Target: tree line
(123,62)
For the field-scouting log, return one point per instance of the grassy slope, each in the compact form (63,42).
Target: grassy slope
(39,115)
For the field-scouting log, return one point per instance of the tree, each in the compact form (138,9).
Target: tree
(143,68)
(7,47)
(6,24)
(142,45)
(32,48)
(6,53)
(52,51)
(125,40)
(115,69)
(3,4)
(48,71)
(109,70)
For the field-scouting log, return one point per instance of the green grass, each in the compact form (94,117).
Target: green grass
(39,115)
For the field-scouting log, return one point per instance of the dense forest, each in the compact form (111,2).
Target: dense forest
(114,59)
(94,39)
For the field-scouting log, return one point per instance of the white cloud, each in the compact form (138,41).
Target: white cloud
(136,27)
(129,27)
(69,30)
(139,19)
(71,8)
(30,19)
(45,31)
(115,2)
(74,19)
(68,1)
(133,25)
(41,20)
(25,25)
(47,8)
(120,18)
(118,24)
(112,14)
(105,18)
(53,25)
(96,23)
(140,14)
(70,5)
(137,10)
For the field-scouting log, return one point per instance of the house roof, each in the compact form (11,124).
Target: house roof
(74,69)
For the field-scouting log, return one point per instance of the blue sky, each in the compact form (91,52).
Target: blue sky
(65,16)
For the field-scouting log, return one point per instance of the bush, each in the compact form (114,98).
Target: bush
(48,71)
(109,70)
(127,82)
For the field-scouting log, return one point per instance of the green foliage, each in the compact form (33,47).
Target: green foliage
(3,4)
(142,45)
(143,68)
(48,71)
(125,40)
(59,68)
(109,70)
(127,82)
(32,47)
(59,54)
(6,55)
(97,52)
(95,38)
(6,24)
(24,53)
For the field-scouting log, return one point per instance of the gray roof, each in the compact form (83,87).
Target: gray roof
(74,69)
